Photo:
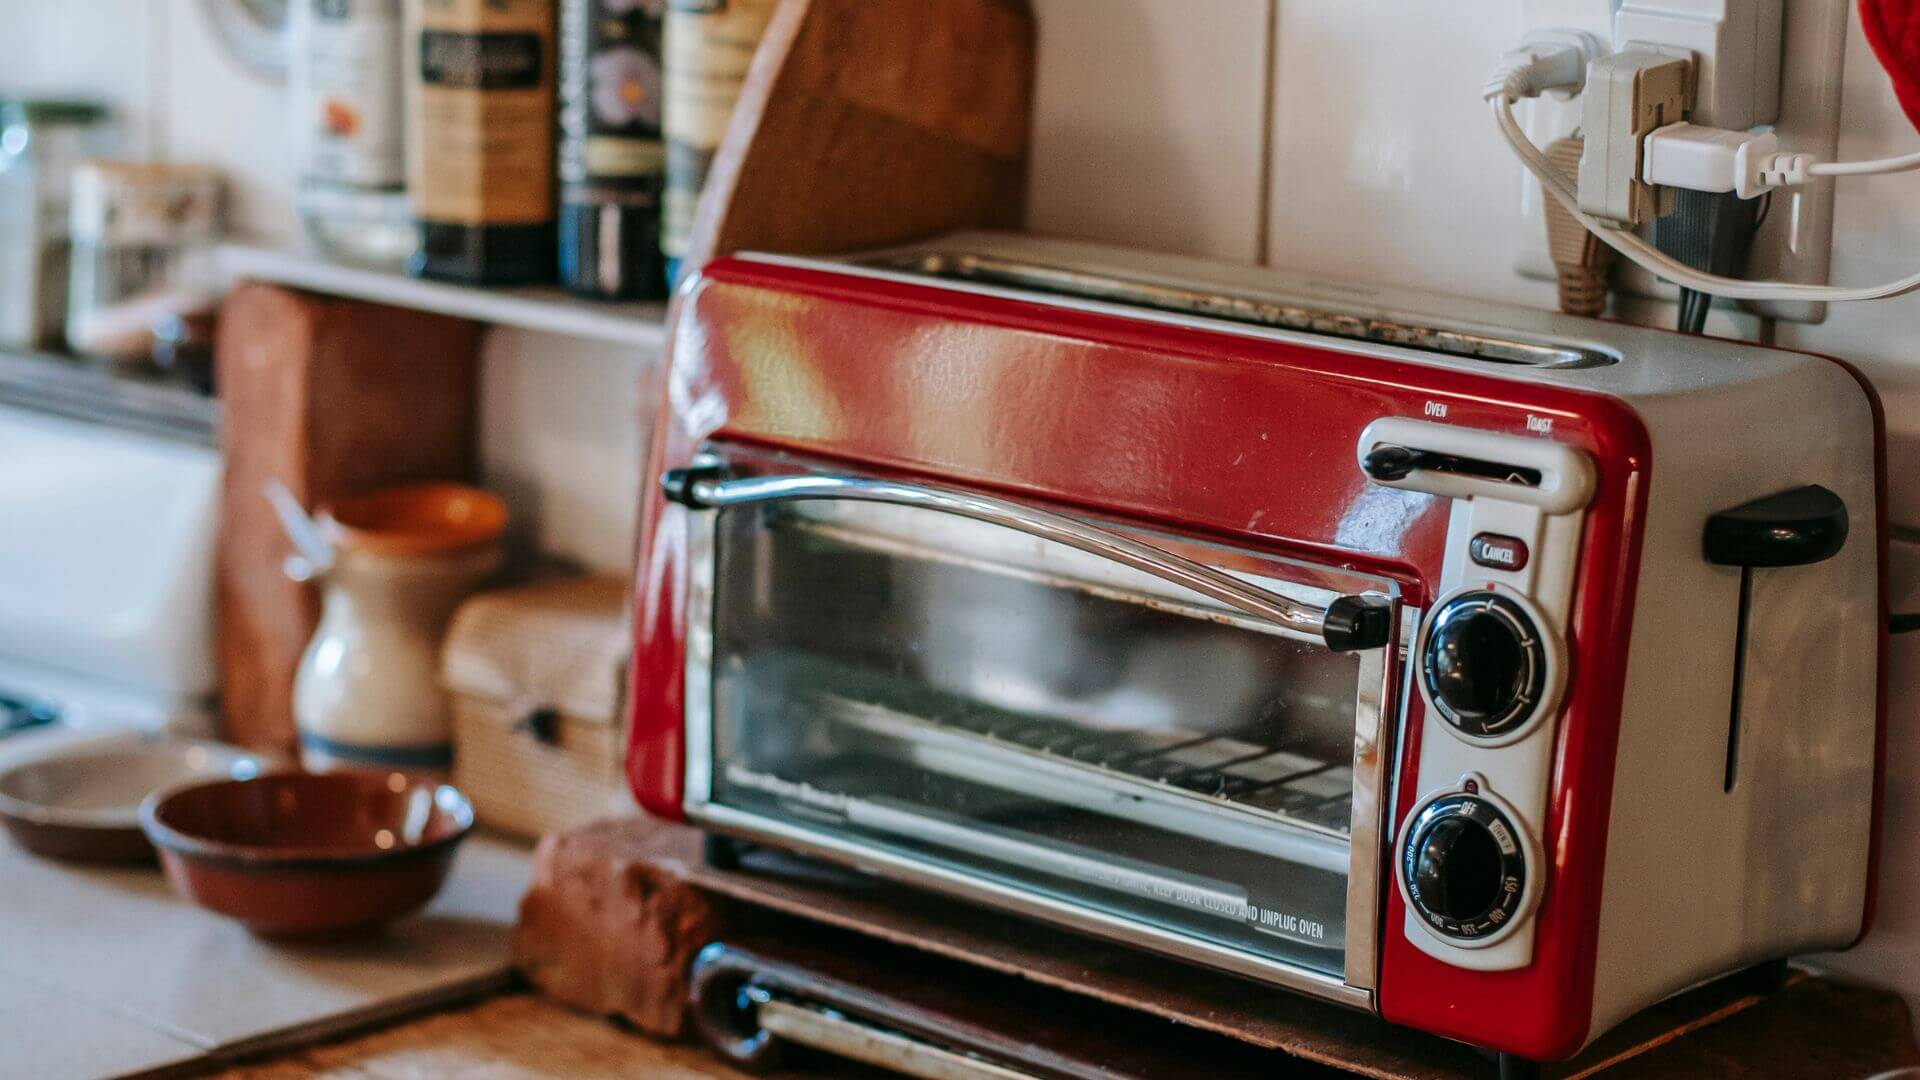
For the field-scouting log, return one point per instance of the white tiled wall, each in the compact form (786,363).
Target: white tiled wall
(1327,134)
(100,49)
(562,438)
(1386,166)
(1150,123)
(215,111)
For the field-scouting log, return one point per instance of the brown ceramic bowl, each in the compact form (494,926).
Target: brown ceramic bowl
(416,520)
(83,801)
(309,854)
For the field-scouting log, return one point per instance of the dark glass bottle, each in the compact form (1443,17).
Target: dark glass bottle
(710,45)
(480,154)
(612,159)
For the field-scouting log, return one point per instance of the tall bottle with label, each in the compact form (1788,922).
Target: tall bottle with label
(709,46)
(345,81)
(480,79)
(612,160)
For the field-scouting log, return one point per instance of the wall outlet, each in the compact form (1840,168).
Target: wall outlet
(1796,239)
(1736,46)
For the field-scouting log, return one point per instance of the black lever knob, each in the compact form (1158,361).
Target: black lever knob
(678,484)
(1357,623)
(1390,463)
(1793,528)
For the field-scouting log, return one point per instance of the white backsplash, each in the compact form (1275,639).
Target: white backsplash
(1329,135)
(1150,121)
(562,435)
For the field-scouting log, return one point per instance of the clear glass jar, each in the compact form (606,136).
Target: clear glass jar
(41,143)
(143,250)
(345,89)
(368,228)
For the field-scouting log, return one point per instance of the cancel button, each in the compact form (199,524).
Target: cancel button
(1496,552)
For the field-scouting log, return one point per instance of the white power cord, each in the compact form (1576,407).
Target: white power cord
(1526,75)
(1747,163)
(1905,163)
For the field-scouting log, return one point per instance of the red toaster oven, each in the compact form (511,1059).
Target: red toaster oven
(1497,672)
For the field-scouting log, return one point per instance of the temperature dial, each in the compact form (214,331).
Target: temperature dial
(1464,868)
(1484,665)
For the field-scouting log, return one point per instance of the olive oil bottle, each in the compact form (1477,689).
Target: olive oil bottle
(480,93)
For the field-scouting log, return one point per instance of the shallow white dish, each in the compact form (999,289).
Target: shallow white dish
(83,801)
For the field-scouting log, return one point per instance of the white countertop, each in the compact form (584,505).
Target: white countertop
(104,972)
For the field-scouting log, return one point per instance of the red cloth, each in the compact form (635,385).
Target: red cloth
(1893,29)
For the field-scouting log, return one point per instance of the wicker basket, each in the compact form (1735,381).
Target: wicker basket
(535,675)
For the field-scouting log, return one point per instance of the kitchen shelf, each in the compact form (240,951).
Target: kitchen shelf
(545,309)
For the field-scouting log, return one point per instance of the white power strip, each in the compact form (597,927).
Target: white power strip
(1795,240)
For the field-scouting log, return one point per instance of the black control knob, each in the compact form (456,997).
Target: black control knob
(1484,664)
(1464,868)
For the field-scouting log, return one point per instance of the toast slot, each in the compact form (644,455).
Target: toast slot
(1310,316)
(1465,463)
(1739,681)
(1400,462)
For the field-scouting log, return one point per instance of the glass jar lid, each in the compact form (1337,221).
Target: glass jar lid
(47,112)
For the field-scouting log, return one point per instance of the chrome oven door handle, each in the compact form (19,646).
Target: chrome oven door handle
(1348,624)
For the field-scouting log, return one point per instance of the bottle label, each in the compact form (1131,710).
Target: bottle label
(610,111)
(345,81)
(458,61)
(480,82)
(709,47)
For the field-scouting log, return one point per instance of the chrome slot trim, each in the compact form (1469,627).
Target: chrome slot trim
(1373,730)
(697,687)
(1202,579)
(1255,310)
(981,890)
(1403,694)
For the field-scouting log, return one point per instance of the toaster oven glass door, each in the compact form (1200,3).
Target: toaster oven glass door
(919,685)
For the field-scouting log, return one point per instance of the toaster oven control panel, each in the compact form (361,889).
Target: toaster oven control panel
(1489,665)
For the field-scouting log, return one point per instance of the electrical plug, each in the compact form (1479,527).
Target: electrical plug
(1581,262)
(1748,164)
(1547,62)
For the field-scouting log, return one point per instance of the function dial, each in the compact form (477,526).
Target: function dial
(1484,664)
(1464,867)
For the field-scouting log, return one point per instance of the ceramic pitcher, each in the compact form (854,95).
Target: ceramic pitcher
(367,693)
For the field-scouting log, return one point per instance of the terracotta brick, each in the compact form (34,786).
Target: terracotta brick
(611,923)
